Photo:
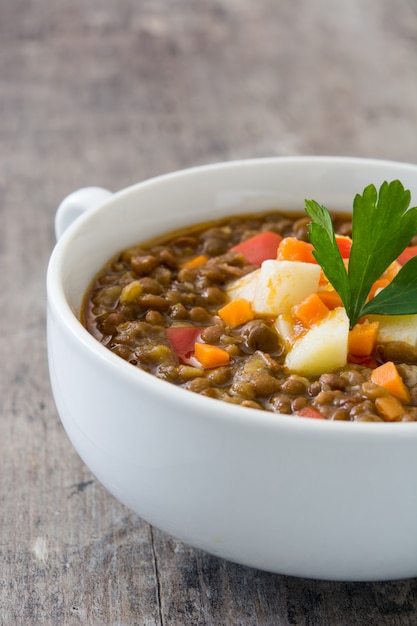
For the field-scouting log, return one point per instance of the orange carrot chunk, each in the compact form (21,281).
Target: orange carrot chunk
(390,408)
(392,270)
(330,298)
(388,377)
(362,338)
(310,311)
(195,261)
(210,356)
(384,280)
(236,312)
(293,249)
(379,284)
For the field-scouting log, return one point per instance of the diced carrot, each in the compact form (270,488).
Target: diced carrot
(323,280)
(390,408)
(379,284)
(382,282)
(344,244)
(310,311)
(195,261)
(309,411)
(330,297)
(293,249)
(392,270)
(260,247)
(210,356)
(362,338)
(236,312)
(408,254)
(387,376)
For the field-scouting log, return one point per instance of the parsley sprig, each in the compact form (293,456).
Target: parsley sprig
(382,227)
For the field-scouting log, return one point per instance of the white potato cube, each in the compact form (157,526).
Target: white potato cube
(323,348)
(282,284)
(285,327)
(396,328)
(243,287)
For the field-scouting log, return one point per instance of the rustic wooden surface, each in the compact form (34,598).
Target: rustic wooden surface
(108,93)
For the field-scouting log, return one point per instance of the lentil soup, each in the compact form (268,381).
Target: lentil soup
(164,306)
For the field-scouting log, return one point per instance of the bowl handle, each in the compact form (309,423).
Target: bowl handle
(77,203)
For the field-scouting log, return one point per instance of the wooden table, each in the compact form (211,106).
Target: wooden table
(109,93)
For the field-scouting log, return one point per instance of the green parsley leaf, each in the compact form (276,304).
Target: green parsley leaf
(326,251)
(382,227)
(399,295)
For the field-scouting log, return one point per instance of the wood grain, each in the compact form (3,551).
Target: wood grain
(108,93)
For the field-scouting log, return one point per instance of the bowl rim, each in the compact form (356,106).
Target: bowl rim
(63,314)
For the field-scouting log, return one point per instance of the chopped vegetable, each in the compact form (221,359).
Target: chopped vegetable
(392,270)
(330,297)
(243,287)
(282,284)
(182,340)
(344,244)
(322,348)
(382,282)
(285,325)
(260,247)
(401,328)
(311,310)
(378,285)
(389,407)
(195,261)
(388,377)
(399,297)
(236,312)
(293,249)
(309,411)
(364,361)
(409,253)
(362,338)
(210,356)
(382,227)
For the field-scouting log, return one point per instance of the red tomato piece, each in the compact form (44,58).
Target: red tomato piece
(365,361)
(344,244)
(308,411)
(182,340)
(408,254)
(260,247)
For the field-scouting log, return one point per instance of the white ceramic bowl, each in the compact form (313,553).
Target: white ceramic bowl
(309,498)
